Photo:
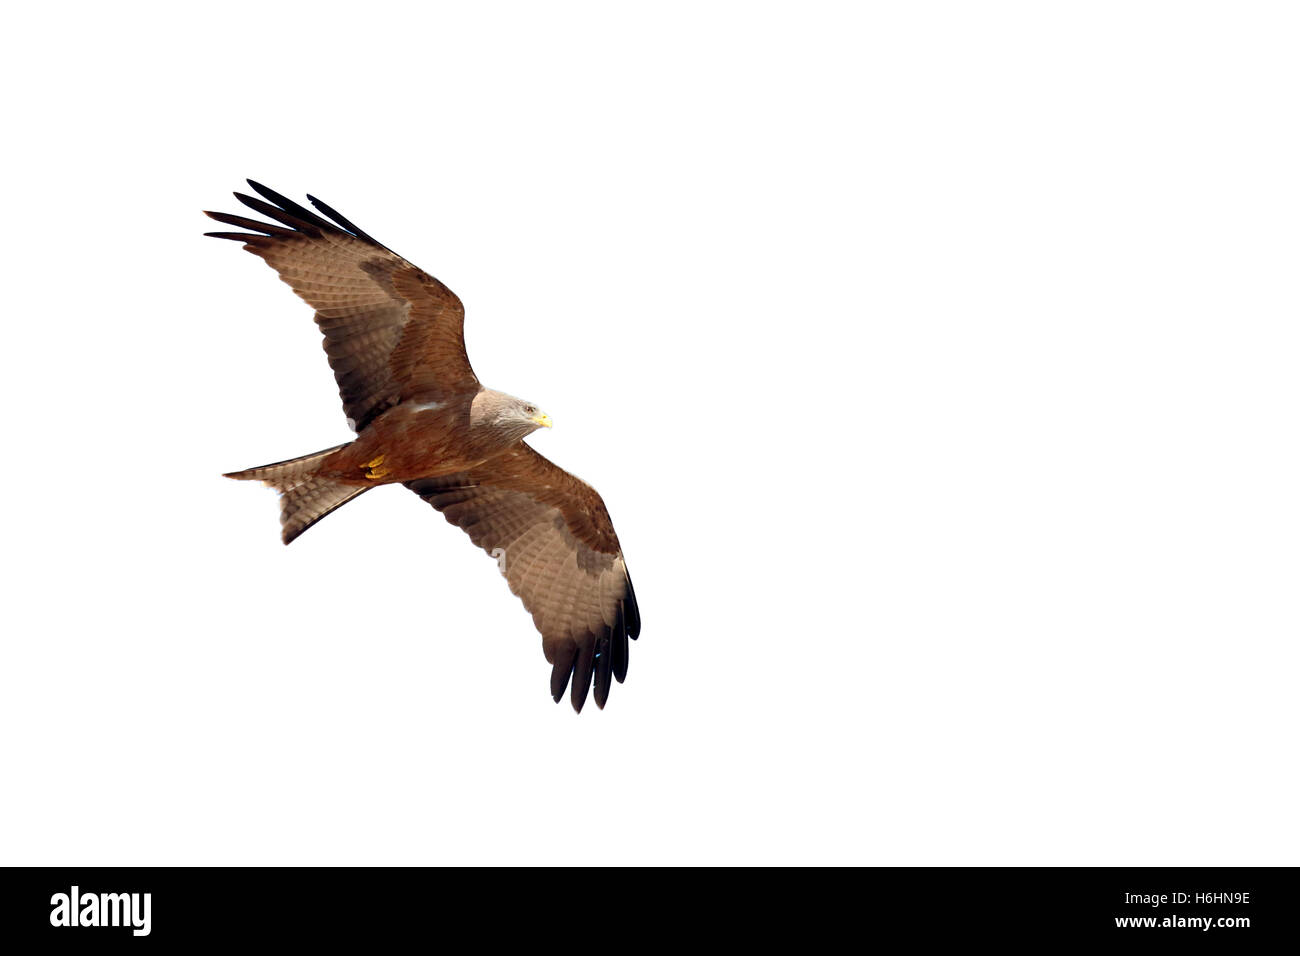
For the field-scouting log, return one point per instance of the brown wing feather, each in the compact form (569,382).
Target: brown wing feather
(366,297)
(562,558)
(430,361)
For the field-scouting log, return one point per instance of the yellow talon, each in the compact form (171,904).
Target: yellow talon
(373,469)
(374,462)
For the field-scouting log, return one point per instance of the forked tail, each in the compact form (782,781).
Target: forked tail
(305,498)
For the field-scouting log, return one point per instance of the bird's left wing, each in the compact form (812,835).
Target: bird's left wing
(559,554)
(391,330)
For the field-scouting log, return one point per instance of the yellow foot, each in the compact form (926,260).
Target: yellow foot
(373,469)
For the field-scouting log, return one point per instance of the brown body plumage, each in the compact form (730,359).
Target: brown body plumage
(395,339)
(419,440)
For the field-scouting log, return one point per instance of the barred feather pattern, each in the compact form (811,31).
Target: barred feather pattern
(559,560)
(305,497)
(353,284)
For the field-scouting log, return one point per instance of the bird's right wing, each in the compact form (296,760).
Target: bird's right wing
(368,301)
(559,554)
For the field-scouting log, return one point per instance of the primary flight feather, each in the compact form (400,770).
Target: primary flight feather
(395,339)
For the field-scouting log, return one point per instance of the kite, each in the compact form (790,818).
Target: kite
(394,336)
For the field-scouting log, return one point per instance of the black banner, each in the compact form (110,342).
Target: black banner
(146,907)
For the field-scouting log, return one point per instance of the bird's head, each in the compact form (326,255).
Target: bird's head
(513,417)
(529,414)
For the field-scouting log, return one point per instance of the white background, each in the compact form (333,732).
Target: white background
(937,363)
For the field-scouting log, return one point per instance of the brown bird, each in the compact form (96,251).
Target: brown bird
(395,338)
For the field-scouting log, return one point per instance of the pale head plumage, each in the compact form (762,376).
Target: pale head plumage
(512,418)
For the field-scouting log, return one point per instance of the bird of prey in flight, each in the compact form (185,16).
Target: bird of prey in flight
(395,338)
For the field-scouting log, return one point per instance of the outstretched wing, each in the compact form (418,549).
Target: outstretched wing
(391,330)
(561,557)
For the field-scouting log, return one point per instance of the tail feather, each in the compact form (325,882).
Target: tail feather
(305,498)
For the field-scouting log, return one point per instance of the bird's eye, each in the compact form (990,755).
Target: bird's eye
(530,410)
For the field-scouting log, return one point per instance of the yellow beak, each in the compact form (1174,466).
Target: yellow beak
(543,420)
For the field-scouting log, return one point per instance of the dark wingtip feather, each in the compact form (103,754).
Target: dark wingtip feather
(345,223)
(236,236)
(288,205)
(243,222)
(603,670)
(561,669)
(632,610)
(582,669)
(309,224)
(618,646)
